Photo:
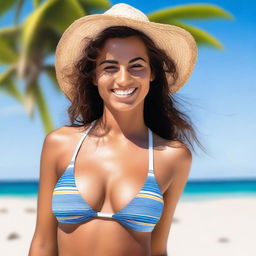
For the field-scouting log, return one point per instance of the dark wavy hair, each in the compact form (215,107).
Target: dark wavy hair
(161,113)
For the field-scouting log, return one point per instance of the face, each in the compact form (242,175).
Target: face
(123,73)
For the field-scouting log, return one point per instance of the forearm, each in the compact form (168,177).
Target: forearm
(40,249)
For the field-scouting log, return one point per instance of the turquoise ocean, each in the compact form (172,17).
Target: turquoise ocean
(194,189)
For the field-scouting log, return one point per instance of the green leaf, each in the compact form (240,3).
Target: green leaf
(10,32)
(7,54)
(193,11)
(9,86)
(6,5)
(8,44)
(36,3)
(201,36)
(61,14)
(6,75)
(43,110)
(52,13)
(49,38)
(12,90)
(93,5)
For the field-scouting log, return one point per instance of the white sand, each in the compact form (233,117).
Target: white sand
(203,223)
(220,227)
(16,220)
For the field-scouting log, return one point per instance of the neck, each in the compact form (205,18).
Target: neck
(126,124)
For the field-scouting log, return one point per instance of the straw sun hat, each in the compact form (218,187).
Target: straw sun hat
(177,42)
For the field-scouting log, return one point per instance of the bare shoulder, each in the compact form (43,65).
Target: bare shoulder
(180,157)
(175,159)
(179,160)
(62,133)
(173,150)
(179,150)
(58,138)
(58,144)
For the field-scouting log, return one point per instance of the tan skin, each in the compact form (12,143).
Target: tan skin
(111,166)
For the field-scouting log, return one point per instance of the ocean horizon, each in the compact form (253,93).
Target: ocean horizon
(194,189)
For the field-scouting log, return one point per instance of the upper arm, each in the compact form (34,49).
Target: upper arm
(45,235)
(180,169)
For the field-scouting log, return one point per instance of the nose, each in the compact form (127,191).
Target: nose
(124,78)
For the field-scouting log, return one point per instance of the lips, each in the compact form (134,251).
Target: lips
(124,95)
(123,90)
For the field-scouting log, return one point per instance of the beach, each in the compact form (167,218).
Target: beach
(212,227)
(216,227)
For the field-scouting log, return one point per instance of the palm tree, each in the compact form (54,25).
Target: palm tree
(25,47)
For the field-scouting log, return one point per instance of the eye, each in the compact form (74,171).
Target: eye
(109,67)
(136,66)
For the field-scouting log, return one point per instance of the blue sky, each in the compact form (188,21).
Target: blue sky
(221,94)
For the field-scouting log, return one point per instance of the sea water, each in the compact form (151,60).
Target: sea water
(194,189)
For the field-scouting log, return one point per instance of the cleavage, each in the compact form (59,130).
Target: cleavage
(108,180)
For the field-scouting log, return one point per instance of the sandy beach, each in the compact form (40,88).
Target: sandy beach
(214,227)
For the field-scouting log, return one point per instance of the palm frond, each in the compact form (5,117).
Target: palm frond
(189,12)
(8,44)
(95,5)
(201,36)
(53,13)
(43,109)
(7,54)
(12,90)
(5,6)
(8,85)
(36,3)
(51,73)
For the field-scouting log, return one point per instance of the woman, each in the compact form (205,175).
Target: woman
(110,181)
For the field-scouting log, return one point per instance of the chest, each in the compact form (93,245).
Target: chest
(109,175)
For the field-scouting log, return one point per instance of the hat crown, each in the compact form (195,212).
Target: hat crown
(127,11)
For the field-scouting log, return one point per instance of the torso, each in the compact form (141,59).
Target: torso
(108,174)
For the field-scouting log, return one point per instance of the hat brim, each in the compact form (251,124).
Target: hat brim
(177,43)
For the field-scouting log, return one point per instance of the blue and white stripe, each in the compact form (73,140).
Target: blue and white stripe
(141,214)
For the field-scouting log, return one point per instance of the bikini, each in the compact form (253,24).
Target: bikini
(141,214)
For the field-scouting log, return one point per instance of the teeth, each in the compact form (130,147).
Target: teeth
(126,92)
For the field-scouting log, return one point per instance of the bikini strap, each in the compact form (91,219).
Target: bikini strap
(81,140)
(150,149)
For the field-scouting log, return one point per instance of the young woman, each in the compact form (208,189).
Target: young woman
(110,181)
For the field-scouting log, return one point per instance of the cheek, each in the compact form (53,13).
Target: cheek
(104,79)
(143,75)
(104,83)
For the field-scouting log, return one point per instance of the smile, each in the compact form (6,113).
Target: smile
(124,93)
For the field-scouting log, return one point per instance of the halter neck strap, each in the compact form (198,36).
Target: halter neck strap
(150,146)
(81,140)
(150,149)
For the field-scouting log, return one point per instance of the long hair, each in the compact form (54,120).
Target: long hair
(161,113)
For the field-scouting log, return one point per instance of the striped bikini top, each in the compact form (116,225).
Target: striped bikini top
(141,214)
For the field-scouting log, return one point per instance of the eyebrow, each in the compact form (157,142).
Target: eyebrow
(116,62)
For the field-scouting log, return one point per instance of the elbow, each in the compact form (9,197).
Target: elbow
(41,249)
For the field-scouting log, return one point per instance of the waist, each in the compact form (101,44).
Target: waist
(100,237)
